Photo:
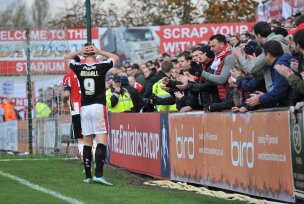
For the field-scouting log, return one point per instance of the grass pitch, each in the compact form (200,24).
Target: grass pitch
(65,178)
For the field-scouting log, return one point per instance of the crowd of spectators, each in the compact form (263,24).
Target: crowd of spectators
(51,102)
(238,72)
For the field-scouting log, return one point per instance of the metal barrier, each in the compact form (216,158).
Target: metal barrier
(51,136)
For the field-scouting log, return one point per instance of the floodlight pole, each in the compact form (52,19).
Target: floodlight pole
(88,19)
(29,90)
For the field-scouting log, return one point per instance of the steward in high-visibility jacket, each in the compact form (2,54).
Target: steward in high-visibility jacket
(162,94)
(118,102)
(42,110)
(108,98)
(9,110)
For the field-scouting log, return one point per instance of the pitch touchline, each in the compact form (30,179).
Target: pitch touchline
(37,159)
(40,188)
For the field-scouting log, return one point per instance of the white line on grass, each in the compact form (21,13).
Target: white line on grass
(40,188)
(29,159)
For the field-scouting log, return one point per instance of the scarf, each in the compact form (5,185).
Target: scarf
(217,60)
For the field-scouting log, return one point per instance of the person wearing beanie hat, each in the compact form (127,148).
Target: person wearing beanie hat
(117,79)
(124,80)
(252,47)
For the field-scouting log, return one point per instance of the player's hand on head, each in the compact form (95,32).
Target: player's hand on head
(88,50)
(83,51)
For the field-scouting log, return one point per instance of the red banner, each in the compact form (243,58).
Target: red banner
(241,152)
(37,67)
(47,35)
(185,36)
(134,143)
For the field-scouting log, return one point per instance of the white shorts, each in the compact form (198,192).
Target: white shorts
(94,119)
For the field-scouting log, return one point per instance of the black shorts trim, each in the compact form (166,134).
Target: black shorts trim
(76,131)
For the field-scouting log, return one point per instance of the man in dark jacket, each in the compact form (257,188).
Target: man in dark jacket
(138,75)
(146,91)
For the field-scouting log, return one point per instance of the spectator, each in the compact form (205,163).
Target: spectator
(252,48)
(166,57)
(280,31)
(139,77)
(274,54)
(161,97)
(127,64)
(295,82)
(246,84)
(119,100)
(129,71)
(142,66)
(196,65)
(223,62)
(228,37)
(134,93)
(234,41)
(42,109)
(149,64)
(147,92)
(257,65)
(148,83)
(178,51)
(186,99)
(9,112)
(288,26)
(184,61)
(274,24)
(299,24)
(244,37)
(135,84)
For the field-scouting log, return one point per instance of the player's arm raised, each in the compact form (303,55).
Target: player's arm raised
(72,55)
(106,54)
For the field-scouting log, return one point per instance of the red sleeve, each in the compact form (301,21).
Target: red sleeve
(67,82)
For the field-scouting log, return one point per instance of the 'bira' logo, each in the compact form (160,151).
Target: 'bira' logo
(186,146)
(242,149)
